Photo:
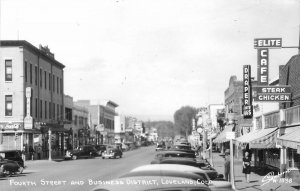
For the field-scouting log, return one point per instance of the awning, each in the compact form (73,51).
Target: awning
(221,138)
(291,138)
(264,138)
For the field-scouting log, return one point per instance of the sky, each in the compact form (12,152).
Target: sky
(152,57)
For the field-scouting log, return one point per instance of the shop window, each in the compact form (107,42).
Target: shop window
(8,105)
(8,70)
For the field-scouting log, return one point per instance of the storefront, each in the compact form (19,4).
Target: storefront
(262,145)
(13,136)
(290,140)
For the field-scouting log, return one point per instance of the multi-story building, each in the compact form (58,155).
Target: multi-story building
(102,120)
(68,121)
(31,97)
(81,131)
(119,129)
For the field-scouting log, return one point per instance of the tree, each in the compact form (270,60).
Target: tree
(183,120)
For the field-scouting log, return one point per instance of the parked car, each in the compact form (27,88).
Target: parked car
(168,173)
(14,155)
(9,167)
(156,183)
(100,149)
(182,147)
(112,153)
(167,154)
(159,148)
(220,185)
(86,151)
(211,172)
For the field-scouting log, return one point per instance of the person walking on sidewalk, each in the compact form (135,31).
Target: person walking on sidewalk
(247,166)
(227,165)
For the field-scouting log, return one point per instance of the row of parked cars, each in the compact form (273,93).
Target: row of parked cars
(176,168)
(90,151)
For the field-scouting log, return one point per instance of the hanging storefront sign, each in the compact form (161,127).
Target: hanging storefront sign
(268,43)
(263,66)
(247,93)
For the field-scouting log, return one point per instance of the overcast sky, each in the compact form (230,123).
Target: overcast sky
(153,56)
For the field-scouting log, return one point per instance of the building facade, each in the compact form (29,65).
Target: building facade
(32,97)
(81,132)
(102,115)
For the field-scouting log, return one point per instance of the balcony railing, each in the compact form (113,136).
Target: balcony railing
(292,115)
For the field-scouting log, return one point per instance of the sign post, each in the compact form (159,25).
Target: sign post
(231,136)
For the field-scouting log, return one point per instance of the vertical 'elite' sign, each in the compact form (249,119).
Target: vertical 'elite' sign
(263,66)
(247,92)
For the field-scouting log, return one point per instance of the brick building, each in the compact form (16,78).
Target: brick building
(31,97)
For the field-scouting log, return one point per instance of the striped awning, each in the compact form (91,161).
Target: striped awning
(268,141)
(264,138)
(291,138)
(221,138)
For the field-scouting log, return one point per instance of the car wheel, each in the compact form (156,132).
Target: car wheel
(120,156)
(103,157)
(74,157)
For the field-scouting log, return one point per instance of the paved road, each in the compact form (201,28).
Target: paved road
(81,174)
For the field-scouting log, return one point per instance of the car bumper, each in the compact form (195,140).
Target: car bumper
(105,155)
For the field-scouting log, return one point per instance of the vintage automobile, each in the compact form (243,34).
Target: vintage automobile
(112,153)
(166,154)
(159,148)
(214,185)
(86,151)
(153,183)
(14,155)
(211,172)
(100,149)
(9,167)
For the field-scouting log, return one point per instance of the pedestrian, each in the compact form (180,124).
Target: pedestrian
(247,166)
(227,165)
(31,152)
(39,151)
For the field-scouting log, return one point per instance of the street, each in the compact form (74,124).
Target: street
(81,174)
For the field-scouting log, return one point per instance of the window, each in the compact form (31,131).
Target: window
(61,86)
(36,75)
(45,109)
(57,113)
(36,107)
(75,120)
(53,107)
(25,71)
(57,85)
(50,110)
(53,84)
(61,112)
(45,75)
(41,78)
(30,72)
(8,105)
(49,81)
(8,70)
(41,109)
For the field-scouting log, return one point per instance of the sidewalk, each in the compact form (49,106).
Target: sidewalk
(256,181)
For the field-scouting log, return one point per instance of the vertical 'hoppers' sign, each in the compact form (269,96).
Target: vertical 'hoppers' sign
(263,66)
(247,92)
